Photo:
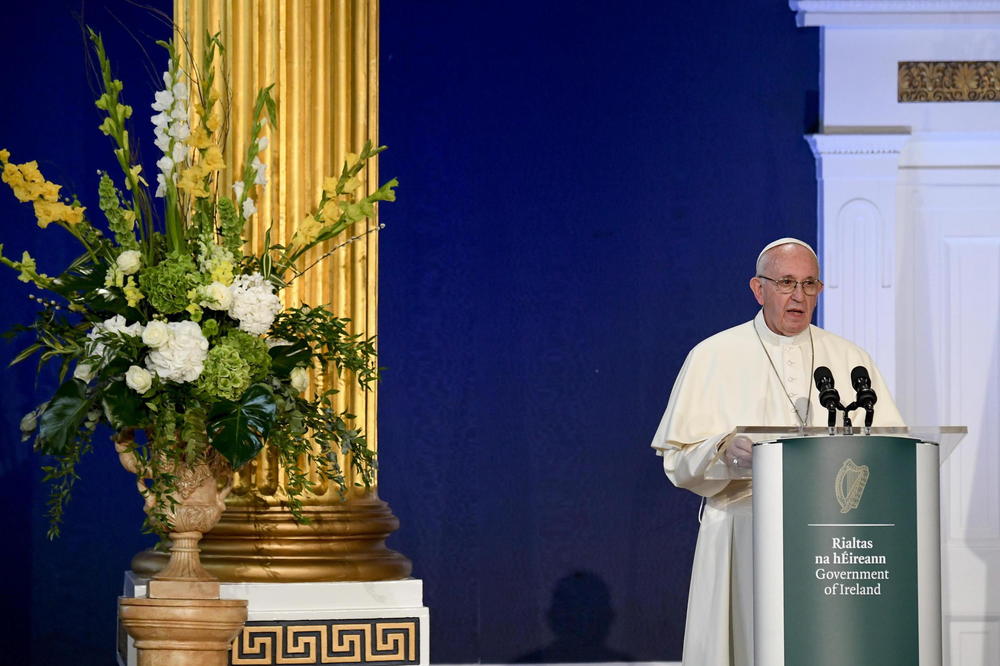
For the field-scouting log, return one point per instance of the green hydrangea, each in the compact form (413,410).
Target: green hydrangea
(167,284)
(225,376)
(210,328)
(252,349)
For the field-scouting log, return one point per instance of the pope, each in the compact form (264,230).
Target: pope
(759,373)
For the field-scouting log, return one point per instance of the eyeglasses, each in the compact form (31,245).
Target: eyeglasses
(810,287)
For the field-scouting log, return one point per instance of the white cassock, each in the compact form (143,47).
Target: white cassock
(727,381)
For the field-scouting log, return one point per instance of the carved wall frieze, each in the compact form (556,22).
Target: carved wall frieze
(949,81)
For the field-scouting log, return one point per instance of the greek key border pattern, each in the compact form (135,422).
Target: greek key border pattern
(383,641)
(948,81)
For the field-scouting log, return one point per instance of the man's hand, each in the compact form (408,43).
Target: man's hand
(739,452)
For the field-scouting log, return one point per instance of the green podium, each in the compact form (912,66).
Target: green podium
(847,565)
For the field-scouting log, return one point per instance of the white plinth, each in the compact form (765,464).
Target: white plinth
(383,622)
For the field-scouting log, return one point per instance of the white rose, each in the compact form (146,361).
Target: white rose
(138,379)
(84,372)
(300,379)
(216,296)
(156,335)
(128,262)
(29,422)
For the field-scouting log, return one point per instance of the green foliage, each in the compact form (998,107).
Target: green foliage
(123,407)
(328,338)
(66,412)
(238,430)
(285,357)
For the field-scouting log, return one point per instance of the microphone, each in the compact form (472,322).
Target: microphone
(828,396)
(862,383)
(866,398)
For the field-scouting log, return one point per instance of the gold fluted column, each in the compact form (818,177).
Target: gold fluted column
(322,57)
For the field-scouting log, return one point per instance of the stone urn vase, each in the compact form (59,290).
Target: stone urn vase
(182,620)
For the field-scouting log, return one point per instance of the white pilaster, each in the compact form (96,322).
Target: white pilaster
(857,176)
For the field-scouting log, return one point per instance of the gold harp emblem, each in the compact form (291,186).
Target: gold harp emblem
(850,485)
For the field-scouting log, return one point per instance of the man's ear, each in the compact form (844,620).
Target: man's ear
(757,287)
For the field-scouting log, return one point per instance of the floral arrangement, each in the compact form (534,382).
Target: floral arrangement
(165,329)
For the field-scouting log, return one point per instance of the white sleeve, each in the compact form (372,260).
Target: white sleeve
(686,467)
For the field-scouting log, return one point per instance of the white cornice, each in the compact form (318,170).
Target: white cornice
(856,144)
(903,13)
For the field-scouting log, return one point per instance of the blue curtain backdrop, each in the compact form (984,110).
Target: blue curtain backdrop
(583,190)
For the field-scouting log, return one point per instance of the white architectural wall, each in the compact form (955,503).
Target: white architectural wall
(909,216)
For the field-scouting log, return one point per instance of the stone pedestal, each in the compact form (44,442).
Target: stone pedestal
(181,632)
(317,623)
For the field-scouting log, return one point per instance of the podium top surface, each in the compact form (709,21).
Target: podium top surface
(946,438)
(941,435)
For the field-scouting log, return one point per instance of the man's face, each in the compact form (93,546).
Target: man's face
(786,314)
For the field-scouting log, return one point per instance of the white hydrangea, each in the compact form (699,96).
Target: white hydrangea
(181,358)
(254,303)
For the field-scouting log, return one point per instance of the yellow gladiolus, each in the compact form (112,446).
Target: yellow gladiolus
(199,138)
(330,186)
(330,211)
(213,159)
(48,212)
(193,181)
(4,155)
(309,229)
(214,119)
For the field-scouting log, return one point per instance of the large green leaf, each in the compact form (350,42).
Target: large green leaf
(123,407)
(61,420)
(238,430)
(286,357)
(88,279)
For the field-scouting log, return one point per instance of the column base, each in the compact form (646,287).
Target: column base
(319,623)
(264,544)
